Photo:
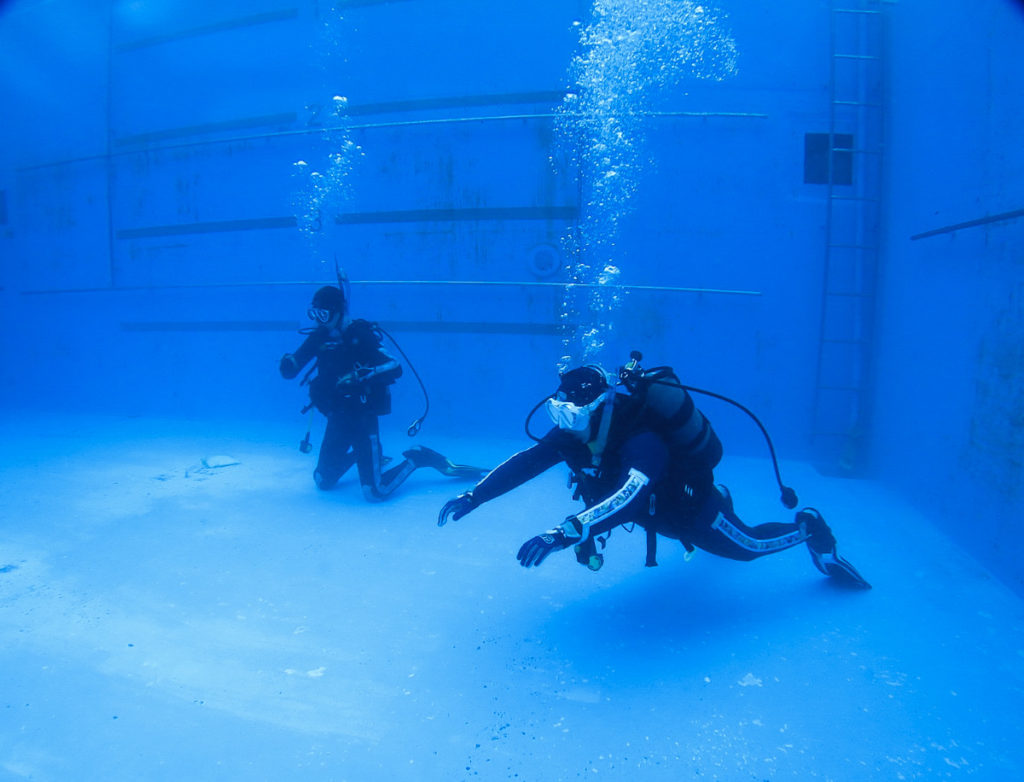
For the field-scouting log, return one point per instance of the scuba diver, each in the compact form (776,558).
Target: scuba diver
(351,387)
(645,456)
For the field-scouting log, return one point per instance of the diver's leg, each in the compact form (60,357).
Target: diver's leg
(377,485)
(336,455)
(720,531)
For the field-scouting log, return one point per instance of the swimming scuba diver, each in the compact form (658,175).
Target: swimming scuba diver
(351,388)
(646,456)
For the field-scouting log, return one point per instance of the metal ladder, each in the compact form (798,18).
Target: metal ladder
(853,212)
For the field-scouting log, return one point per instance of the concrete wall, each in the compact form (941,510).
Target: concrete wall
(950,355)
(150,165)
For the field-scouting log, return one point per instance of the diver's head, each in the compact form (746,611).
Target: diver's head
(328,306)
(580,393)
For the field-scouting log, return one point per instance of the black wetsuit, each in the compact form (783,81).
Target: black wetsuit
(655,472)
(351,388)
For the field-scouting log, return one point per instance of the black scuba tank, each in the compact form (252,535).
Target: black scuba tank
(671,408)
(672,411)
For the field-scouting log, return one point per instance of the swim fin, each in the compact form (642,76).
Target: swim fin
(426,457)
(834,566)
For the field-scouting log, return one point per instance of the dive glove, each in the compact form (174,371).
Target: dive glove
(288,366)
(536,549)
(454,510)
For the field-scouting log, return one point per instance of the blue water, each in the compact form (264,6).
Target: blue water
(512,189)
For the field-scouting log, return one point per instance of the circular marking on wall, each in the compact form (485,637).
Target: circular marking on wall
(545,261)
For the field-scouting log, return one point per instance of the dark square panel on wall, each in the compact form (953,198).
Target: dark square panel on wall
(816,152)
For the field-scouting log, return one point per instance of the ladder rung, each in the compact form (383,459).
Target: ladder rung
(856,103)
(854,149)
(854,389)
(848,295)
(857,150)
(831,341)
(870,247)
(839,56)
(853,198)
(855,11)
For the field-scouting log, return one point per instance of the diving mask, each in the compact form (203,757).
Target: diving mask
(569,416)
(319,314)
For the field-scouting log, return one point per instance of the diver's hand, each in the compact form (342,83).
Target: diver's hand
(454,510)
(288,366)
(352,380)
(348,382)
(536,549)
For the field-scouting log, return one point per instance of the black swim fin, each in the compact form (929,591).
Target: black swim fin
(834,566)
(426,457)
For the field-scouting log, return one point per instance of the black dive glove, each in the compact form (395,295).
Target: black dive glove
(454,510)
(536,549)
(288,366)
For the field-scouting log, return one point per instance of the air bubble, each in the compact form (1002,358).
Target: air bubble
(633,55)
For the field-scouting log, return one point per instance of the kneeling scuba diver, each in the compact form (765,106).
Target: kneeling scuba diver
(349,383)
(644,455)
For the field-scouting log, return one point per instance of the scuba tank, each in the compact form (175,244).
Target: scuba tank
(667,400)
(345,285)
(667,397)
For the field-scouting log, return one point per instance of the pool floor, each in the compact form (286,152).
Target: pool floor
(163,619)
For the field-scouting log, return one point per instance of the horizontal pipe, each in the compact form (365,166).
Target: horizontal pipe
(970,224)
(463,103)
(246,123)
(424,326)
(467,283)
(371,126)
(547,115)
(462,120)
(479,214)
(595,286)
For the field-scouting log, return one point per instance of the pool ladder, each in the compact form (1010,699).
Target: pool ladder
(852,234)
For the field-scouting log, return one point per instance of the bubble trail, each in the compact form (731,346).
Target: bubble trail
(323,177)
(632,55)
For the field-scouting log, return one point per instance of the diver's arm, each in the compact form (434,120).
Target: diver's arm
(579,528)
(292,363)
(387,371)
(612,511)
(513,472)
(378,374)
(643,457)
